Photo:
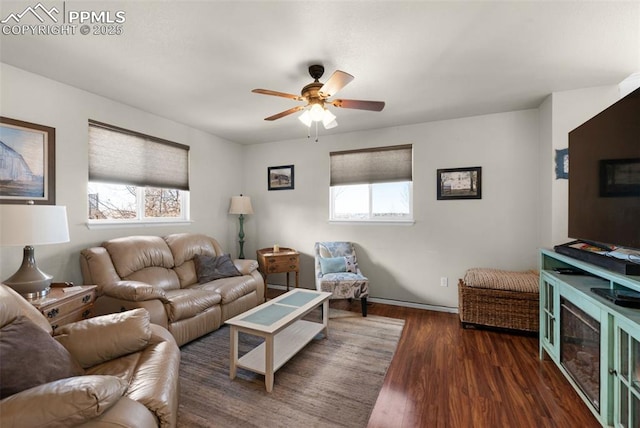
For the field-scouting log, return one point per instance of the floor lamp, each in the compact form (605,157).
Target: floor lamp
(241,205)
(31,225)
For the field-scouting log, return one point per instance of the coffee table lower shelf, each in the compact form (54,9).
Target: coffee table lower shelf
(279,321)
(287,343)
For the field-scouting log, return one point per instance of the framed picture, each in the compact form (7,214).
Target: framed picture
(620,177)
(562,164)
(460,183)
(280,177)
(27,162)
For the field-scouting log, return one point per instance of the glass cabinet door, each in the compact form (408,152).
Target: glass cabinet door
(627,387)
(548,312)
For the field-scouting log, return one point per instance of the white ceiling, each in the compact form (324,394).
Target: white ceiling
(196,62)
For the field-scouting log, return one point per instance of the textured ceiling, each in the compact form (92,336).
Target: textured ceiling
(196,62)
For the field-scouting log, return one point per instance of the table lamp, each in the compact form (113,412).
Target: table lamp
(241,205)
(31,225)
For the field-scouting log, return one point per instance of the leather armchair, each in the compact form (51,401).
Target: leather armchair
(129,372)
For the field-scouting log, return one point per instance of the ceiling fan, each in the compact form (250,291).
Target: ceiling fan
(317,94)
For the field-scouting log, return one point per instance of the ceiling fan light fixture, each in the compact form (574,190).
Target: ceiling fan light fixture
(331,124)
(329,119)
(317,112)
(305,118)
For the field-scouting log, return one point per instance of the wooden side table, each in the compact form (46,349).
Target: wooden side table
(283,261)
(64,305)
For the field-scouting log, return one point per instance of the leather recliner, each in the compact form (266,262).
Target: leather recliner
(127,370)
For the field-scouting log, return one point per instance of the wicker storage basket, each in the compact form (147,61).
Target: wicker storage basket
(514,310)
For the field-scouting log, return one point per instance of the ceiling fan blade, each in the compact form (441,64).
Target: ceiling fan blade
(278,94)
(284,113)
(338,80)
(359,104)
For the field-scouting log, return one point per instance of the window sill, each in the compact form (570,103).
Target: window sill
(132,224)
(376,222)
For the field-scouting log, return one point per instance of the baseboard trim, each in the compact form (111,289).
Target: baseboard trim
(391,302)
(414,305)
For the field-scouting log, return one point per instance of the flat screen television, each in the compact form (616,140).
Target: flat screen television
(604,176)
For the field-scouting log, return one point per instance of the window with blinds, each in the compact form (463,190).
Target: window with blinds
(136,177)
(373,184)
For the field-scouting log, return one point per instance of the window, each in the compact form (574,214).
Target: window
(372,184)
(136,178)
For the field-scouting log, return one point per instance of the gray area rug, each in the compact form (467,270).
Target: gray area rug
(332,382)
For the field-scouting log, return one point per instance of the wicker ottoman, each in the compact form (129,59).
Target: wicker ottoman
(500,299)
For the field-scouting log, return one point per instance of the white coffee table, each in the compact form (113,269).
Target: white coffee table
(285,333)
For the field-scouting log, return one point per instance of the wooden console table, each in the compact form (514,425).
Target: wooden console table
(283,261)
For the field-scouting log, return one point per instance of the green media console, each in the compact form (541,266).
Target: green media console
(594,342)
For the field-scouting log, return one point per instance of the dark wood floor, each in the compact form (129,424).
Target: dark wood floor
(445,376)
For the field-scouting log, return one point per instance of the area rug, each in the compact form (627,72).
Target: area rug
(332,382)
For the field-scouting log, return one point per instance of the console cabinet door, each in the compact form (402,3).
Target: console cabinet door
(549,310)
(627,375)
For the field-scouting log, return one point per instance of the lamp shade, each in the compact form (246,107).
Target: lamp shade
(305,118)
(33,225)
(316,112)
(329,120)
(240,205)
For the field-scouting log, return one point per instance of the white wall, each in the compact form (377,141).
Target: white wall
(403,262)
(215,169)
(523,206)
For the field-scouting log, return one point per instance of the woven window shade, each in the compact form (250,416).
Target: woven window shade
(376,165)
(121,156)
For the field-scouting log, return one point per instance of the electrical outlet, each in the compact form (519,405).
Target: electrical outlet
(444,282)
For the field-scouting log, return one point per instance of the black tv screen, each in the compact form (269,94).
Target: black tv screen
(604,176)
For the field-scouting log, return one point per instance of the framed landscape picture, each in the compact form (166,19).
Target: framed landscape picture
(27,162)
(280,177)
(460,183)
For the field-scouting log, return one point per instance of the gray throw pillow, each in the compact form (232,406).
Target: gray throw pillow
(31,357)
(210,268)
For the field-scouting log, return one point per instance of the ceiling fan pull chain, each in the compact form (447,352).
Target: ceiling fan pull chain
(316,132)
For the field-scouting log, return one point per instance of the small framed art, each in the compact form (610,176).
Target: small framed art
(459,183)
(562,164)
(280,177)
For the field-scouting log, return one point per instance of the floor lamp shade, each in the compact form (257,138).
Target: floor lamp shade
(29,225)
(241,205)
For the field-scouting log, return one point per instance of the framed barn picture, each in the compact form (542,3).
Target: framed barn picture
(280,177)
(27,162)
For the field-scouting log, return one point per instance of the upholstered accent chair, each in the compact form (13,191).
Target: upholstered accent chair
(337,272)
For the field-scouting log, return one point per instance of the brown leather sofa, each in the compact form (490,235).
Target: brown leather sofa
(114,370)
(159,274)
